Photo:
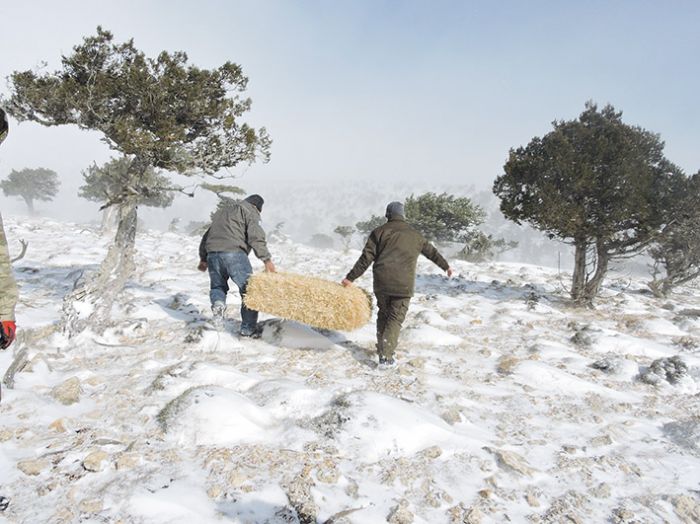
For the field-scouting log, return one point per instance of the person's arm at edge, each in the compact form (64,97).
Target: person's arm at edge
(203,252)
(10,293)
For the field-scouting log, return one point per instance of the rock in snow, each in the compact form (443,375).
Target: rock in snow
(95,460)
(671,370)
(512,461)
(32,467)
(68,392)
(609,365)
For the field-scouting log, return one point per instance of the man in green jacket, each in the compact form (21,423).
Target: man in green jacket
(8,287)
(235,230)
(393,249)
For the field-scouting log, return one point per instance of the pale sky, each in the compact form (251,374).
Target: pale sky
(386,90)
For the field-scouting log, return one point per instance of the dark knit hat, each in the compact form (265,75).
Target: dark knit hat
(256,200)
(394,209)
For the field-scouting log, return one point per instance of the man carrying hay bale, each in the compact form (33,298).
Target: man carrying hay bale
(394,249)
(235,230)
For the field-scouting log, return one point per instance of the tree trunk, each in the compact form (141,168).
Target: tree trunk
(110,217)
(98,293)
(593,285)
(578,285)
(120,256)
(30,204)
(583,289)
(102,289)
(658,288)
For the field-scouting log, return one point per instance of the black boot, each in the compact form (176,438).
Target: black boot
(386,361)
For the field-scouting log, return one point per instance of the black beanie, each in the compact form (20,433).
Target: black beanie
(256,200)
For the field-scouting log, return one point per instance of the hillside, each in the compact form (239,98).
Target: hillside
(507,404)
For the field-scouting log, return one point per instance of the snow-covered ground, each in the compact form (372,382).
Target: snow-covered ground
(507,405)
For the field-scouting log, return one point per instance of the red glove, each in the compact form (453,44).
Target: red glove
(8,333)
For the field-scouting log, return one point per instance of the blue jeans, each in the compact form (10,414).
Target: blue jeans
(236,266)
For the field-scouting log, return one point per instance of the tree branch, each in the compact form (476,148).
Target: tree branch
(22,253)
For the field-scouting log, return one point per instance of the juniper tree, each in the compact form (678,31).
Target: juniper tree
(161,113)
(106,183)
(225,193)
(480,247)
(111,180)
(676,250)
(223,190)
(321,240)
(594,182)
(345,233)
(443,217)
(31,184)
(367,226)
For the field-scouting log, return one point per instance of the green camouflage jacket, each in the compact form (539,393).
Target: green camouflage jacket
(8,288)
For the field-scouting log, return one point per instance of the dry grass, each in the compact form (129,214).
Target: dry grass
(309,300)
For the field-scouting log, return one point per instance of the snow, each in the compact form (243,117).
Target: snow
(382,426)
(429,335)
(494,406)
(182,501)
(215,416)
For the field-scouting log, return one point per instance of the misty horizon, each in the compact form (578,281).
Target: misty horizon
(388,98)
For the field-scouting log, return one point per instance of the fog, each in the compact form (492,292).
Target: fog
(369,101)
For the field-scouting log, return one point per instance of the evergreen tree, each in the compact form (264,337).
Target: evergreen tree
(676,250)
(31,184)
(345,233)
(161,113)
(108,182)
(370,225)
(444,217)
(595,182)
(223,203)
(224,192)
(480,247)
(321,240)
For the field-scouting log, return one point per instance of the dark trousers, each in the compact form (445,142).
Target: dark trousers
(392,312)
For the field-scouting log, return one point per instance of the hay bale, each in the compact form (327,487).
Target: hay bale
(309,300)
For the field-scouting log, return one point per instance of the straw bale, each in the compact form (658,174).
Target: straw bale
(309,300)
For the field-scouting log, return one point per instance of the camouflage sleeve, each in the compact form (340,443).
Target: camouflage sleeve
(203,247)
(255,236)
(430,252)
(8,287)
(366,258)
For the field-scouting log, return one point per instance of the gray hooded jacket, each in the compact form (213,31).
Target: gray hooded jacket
(235,228)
